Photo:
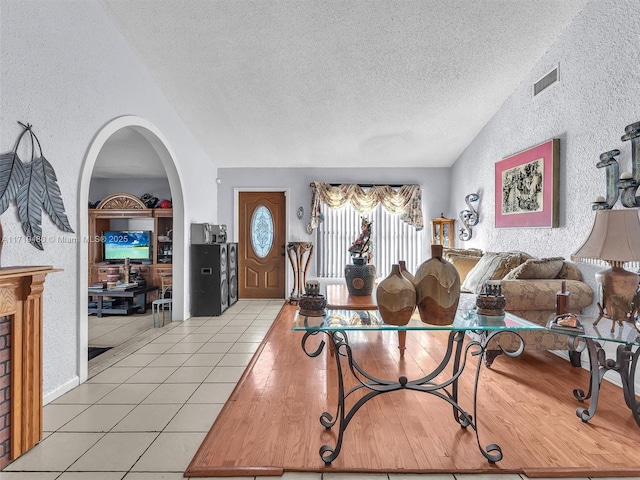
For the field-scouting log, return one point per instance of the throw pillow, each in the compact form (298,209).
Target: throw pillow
(469,252)
(536,268)
(519,258)
(463,263)
(511,261)
(569,271)
(488,267)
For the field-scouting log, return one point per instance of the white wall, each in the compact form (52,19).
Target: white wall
(597,97)
(102,187)
(66,70)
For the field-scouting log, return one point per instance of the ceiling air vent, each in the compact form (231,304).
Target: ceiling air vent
(545,82)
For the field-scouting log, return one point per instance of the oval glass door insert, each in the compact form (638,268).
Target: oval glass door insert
(262,231)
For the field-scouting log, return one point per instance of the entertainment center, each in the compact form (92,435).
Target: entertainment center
(122,226)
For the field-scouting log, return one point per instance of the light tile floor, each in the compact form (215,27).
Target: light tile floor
(150,401)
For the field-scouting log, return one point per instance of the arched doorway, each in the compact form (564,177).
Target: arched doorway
(159,143)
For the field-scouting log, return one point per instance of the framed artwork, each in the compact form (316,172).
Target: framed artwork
(527,187)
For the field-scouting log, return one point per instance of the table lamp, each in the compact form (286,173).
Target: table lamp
(615,239)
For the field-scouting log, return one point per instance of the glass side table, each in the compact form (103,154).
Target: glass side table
(337,324)
(625,363)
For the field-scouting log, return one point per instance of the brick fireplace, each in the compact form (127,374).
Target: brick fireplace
(5,389)
(20,359)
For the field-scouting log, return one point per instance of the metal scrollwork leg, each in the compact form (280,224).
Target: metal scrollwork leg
(463,418)
(622,366)
(338,341)
(577,345)
(492,447)
(595,377)
(493,451)
(625,364)
(634,404)
(491,354)
(327,453)
(456,355)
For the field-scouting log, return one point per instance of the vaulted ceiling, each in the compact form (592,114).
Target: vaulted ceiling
(337,83)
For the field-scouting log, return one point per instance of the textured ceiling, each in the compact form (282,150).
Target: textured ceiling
(339,83)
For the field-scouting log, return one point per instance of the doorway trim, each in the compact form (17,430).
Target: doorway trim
(168,158)
(288,282)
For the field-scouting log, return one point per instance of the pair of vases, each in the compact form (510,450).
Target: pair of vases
(435,290)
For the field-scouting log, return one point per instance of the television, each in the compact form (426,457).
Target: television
(134,245)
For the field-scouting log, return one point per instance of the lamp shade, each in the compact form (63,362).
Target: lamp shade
(614,237)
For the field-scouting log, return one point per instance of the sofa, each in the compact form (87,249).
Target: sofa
(529,286)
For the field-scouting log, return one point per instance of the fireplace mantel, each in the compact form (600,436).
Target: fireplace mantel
(21,358)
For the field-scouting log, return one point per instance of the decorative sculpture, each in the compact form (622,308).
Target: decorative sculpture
(312,303)
(469,218)
(619,231)
(628,182)
(33,186)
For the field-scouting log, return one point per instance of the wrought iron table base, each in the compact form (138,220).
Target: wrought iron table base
(625,364)
(447,390)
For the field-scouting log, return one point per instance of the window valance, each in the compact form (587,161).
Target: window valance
(405,201)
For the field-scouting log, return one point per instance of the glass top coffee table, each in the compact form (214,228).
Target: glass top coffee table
(335,326)
(625,363)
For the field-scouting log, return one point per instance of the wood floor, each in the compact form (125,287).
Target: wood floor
(271,423)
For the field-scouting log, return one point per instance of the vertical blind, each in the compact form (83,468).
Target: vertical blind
(393,240)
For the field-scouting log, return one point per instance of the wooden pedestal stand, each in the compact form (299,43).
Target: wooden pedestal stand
(296,252)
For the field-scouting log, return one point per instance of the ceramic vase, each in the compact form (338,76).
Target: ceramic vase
(437,286)
(406,273)
(359,277)
(396,298)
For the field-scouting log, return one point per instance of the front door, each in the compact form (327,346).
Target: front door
(261,241)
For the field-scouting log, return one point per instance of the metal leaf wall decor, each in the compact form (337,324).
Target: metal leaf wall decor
(34,187)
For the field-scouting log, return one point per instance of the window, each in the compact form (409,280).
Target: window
(393,240)
(262,231)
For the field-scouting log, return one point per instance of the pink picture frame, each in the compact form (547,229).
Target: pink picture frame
(526,184)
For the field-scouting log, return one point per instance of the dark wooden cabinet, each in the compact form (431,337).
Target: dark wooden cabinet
(123,206)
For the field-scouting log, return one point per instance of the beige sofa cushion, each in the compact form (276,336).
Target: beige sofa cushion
(569,271)
(467,252)
(490,266)
(540,295)
(537,268)
(463,263)
(518,258)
